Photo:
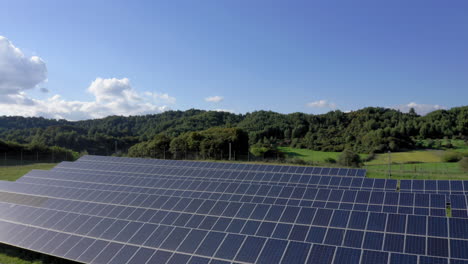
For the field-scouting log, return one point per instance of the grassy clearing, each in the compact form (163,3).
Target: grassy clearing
(12,173)
(426,164)
(425,156)
(312,155)
(439,170)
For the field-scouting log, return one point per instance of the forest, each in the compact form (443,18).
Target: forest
(208,133)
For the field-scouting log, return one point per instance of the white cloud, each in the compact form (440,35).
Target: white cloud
(161,97)
(321,104)
(17,71)
(214,99)
(421,109)
(112,97)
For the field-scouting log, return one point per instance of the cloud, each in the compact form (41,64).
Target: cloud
(214,99)
(17,71)
(321,104)
(163,97)
(421,109)
(111,97)
(44,90)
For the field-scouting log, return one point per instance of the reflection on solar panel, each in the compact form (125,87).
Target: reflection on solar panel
(122,210)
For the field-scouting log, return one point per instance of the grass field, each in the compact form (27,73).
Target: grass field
(425,164)
(312,155)
(425,156)
(11,173)
(439,170)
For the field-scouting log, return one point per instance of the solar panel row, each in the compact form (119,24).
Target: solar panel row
(422,204)
(431,186)
(227,166)
(122,210)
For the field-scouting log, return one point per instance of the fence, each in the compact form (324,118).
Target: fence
(25,158)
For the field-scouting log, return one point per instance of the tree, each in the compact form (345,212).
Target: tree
(349,158)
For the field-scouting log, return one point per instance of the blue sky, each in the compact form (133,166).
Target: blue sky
(134,57)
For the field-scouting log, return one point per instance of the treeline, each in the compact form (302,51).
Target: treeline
(213,143)
(371,129)
(31,152)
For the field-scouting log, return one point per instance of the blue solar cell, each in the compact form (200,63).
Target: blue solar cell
(141,256)
(394,243)
(363,197)
(349,196)
(272,252)
(176,259)
(192,241)
(298,232)
(415,245)
(210,243)
(458,201)
(334,236)
(296,252)
(373,241)
(282,231)
(321,254)
(290,214)
(322,217)
(406,185)
(437,226)
(458,228)
(340,219)
(458,249)
(358,220)
(353,238)
(357,182)
(406,199)
(306,215)
(437,247)
(377,198)
(230,246)
(347,255)
(274,213)
(396,223)
(250,249)
(316,234)
(376,222)
(416,225)
(108,253)
(456,186)
(266,229)
(396,258)
(373,257)
(432,260)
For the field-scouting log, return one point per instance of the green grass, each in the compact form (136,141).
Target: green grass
(425,156)
(439,170)
(12,173)
(14,255)
(312,155)
(427,164)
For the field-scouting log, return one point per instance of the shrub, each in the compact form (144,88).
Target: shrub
(464,164)
(330,160)
(349,158)
(450,156)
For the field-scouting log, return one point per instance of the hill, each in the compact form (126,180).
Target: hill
(371,129)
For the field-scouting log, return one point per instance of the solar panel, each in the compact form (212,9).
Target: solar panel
(122,210)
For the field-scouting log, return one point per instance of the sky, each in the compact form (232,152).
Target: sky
(89,59)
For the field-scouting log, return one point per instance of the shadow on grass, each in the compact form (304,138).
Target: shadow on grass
(31,256)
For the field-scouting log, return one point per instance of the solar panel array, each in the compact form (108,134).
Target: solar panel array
(124,210)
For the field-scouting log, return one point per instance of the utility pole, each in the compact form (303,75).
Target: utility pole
(229,150)
(116,147)
(389,164)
